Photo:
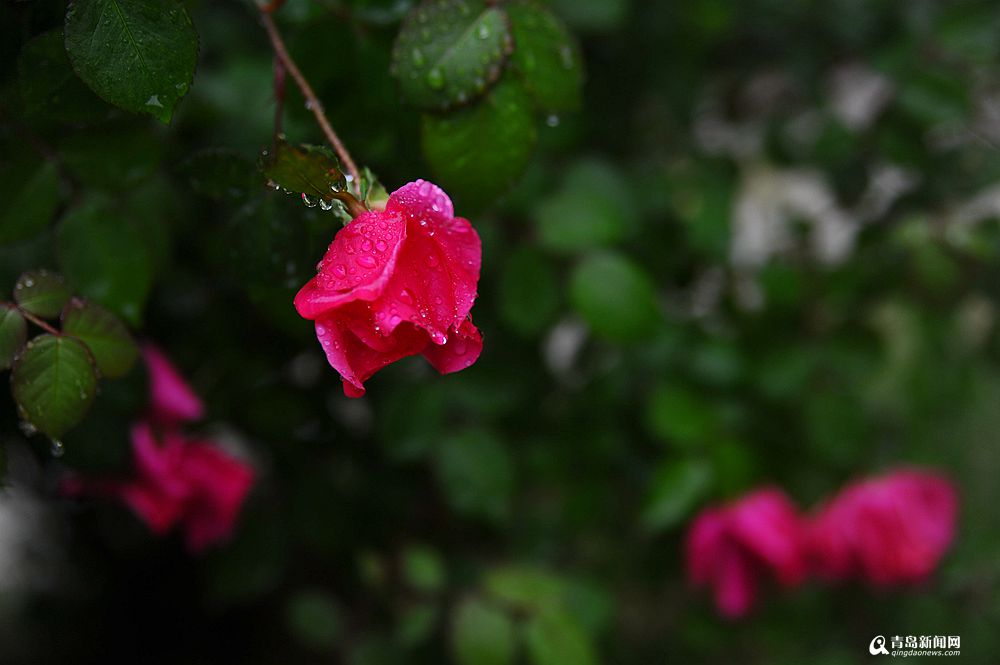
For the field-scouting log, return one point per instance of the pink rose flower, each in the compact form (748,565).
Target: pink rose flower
(730,548)
(171,399)
(186,482)
(395,283)
(887,530)
(176,480)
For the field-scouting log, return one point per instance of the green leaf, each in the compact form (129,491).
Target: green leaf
(679,416)
(526,589)
(478,152)
(315,620)
(476,474)
(555,638)
(54,383)
(529,292)
(50,89)
(29,189)
(423,569)
(546,57)
(306,169)
(221,174)
(105,258)
(593,15)
(675,491)
(593,208)
(41,293)
(615,297)
(416,623)
(449,52)
(136,54)
(13,333)
(481,634)
(109,341)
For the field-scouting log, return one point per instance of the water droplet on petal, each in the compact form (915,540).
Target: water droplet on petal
(366,261)
(380,245)
(432,260)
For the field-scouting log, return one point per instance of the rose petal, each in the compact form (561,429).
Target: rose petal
(461,350)
(171,398)
(357,361)
(356,266)
(422,201)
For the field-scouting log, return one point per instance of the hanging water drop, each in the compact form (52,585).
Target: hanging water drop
(326,205)
(57,448)
(308,200)
(552,120)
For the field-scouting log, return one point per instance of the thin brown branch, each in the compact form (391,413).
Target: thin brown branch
(279,99)
(312,102)
(44,325)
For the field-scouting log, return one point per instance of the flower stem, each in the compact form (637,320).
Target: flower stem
(312,102)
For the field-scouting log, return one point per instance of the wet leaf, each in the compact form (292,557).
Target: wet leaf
(50,89)
(546,57)
(54,383)
(136,54)
(449,52)
(13,334)
(305,169)
(109,341)
(41,293)
(478,152)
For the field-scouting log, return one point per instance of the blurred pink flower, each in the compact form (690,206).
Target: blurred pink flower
(171,399)
(176,480)
(887,530)
(395,283)
(730,548)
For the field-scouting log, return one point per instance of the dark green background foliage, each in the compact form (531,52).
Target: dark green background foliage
(758,245)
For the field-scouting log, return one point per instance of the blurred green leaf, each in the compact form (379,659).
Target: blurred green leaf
(592,209)
(112,157)
(105,258)
(109,341)
(593,15)
(137,54)
(13,334)
(675,490)
(477,152)
(680,417)
(314,620)
(449,52)
(54,383)
(476,474)
(29,189)
(41,293)
(481,634)
(221,174)
(554,638)
(614,296)
(529,292)
(423,569)
(417,623)
(50,89)
(525,588)
(546,57)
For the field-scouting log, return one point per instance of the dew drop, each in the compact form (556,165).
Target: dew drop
(57,448)
(366,261)
(552,120)
(432,260)
(340,271)
(366,245)
(380,245)
(308,200)
(484,31)
(326,205)
(439,337)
